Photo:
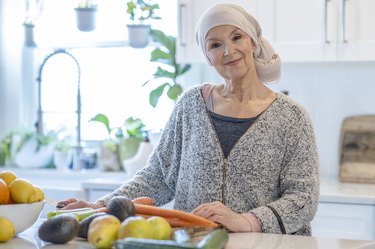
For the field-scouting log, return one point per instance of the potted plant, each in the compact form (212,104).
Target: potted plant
(165,53)
(86,15)
(33,12)
(122,142)
(26,148)
(140,13)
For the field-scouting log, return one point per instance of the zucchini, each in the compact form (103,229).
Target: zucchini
(216,239)
(138,243)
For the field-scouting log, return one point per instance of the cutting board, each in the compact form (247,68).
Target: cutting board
(357,152)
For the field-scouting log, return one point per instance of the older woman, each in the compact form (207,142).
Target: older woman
(236,153)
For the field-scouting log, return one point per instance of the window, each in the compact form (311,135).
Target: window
(111,76)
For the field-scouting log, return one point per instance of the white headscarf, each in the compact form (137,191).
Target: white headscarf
(267,62)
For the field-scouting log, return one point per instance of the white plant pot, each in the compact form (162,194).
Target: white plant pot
(30,157)
(29,35)
(139,160)
(62,159)
(86,19)
(138,35)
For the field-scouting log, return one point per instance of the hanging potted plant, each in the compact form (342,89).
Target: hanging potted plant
(140,13)
(165,54)
(33,12)
(86,15)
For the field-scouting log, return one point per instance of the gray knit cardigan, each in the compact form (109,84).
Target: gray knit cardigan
(274,163)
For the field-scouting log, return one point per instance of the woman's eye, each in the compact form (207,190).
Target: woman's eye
(215,45)
(237,37)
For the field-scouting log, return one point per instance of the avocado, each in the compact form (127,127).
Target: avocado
(59,229)
(85,223)
(121,207)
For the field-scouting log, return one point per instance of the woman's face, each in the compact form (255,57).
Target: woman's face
(230,51)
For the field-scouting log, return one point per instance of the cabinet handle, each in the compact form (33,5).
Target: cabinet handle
(343,22)
(326,21)
(182,24)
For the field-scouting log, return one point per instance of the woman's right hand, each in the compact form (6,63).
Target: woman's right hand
(73,203)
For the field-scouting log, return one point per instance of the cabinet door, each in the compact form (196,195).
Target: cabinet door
(357,32)
(346,221)
(189,12)
(301,30)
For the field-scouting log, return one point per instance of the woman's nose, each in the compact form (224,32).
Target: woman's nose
(228,49)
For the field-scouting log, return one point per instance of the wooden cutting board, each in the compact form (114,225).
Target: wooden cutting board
(357,152)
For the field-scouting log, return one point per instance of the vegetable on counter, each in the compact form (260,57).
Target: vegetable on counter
(193,219)
(216,239)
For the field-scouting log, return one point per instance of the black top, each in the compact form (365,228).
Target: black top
(229,129)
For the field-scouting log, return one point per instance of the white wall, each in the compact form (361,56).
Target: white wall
(11,31)
(330,92)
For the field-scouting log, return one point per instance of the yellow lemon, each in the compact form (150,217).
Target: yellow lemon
(21,190)
(135,227)
(7,230)
(37,196)
(161,228)
(8,176)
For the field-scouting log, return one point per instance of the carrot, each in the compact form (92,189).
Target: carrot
(174,222)
(144,200)
(168,213)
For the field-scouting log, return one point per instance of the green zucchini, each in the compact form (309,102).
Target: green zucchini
(137,243)
(216,239)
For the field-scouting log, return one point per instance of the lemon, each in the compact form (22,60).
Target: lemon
(136,227)
(37,196)
(8,176)
(7,230)
(161,228)
(21,190)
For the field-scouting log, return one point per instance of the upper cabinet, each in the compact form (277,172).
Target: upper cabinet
(300,30)
(189,12)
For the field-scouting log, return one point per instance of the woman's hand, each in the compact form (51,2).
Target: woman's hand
(73,203)
(219,213)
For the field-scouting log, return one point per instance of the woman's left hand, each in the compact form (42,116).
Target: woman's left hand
(219,213)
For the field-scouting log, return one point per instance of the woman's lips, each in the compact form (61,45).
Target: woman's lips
(232,62)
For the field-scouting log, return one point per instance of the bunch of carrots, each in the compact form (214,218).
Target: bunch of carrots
(144,206)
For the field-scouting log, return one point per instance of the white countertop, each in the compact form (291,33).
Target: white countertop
(29,240)
(331,190)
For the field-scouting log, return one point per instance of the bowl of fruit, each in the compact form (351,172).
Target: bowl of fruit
(21,202)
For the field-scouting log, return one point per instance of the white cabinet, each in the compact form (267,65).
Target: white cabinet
(325,30)
(347,221)
(300,30)
(189,12)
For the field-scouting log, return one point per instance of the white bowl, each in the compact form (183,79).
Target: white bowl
(22,216)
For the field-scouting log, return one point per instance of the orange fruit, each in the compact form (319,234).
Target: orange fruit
(21,190)
(8,176)
(4,192)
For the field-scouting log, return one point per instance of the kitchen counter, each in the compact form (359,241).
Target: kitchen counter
(29,240)
(331,190)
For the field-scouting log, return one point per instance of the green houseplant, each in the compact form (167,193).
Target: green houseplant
(169,71)
(25,148)
(122,142)
(140,13)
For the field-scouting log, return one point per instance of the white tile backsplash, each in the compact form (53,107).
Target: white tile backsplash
(330,91)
